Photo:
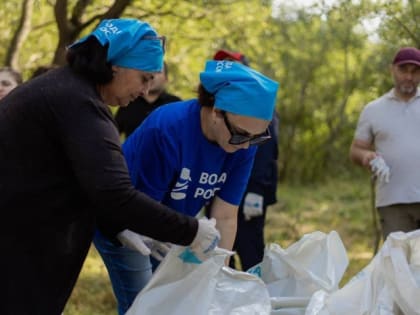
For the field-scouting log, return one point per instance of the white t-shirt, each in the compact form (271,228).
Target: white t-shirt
(393,127)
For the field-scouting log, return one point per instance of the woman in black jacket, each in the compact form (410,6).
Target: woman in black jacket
(62,171)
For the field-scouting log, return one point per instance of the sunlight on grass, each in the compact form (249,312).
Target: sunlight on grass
(340,205)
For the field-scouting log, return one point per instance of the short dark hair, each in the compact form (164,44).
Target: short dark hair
(89,58)
(15,74)
(165,69)
(205,98)
(43,69)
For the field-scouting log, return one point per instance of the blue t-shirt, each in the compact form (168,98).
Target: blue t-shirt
(170,160)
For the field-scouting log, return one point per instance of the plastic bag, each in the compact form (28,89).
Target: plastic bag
(181,286)
(388,285)
(317,261)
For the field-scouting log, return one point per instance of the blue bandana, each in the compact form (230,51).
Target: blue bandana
(239,89)
(132,44)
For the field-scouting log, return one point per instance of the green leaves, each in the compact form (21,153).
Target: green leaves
(327,65)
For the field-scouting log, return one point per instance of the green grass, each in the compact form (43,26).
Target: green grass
(93,294)
(340,205)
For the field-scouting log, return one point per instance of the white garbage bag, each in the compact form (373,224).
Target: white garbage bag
(388,285)
(317,261)
(182,285)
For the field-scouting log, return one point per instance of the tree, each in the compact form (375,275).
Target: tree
(400,22)
(22,31)
(71,26)
(327,66)
(320,68)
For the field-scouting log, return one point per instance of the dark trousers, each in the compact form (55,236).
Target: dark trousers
(399,217)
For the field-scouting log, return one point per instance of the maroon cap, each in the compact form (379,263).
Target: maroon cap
(407,55)
(223,54)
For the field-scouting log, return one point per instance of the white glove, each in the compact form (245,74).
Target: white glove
(143,244)
(253,205)
(206,239)
(380,169)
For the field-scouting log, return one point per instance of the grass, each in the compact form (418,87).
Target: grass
(339,204)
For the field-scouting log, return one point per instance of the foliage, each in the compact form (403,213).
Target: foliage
(328,63)
(93,293)
(401,22)
(328,60)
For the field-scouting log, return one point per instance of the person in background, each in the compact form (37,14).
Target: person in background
(196,150)
(385,142)
(130,117)
(9,79)
(260,192)
(63,172)
(224,54)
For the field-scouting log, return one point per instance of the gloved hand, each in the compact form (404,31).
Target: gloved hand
(253,205)
(380,169)
(145,245)
(206,239)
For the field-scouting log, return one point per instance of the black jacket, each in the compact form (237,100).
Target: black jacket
(263,179)
(130,117)
(62,171)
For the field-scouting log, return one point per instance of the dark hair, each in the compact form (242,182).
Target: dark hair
(88,58)
(42,69)
(165,69)
(15,74)
(205,98)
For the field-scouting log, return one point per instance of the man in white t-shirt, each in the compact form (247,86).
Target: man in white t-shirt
(386,142)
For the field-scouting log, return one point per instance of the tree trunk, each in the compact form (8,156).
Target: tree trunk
(22,31)
(70,29)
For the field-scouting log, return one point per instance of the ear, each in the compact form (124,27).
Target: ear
(217,113)
(115,69)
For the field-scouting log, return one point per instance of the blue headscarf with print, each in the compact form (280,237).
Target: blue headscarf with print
(239,89)
(131,44)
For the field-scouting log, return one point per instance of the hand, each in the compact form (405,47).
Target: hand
(158,249)
(253,205)
(380,169)
(367,157)
(206,239)
(143,244)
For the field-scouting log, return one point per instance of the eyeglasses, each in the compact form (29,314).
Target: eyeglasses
(237,138)
(162,40)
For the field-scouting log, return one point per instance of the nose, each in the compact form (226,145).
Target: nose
(146,87)
(144,90)
(408,75)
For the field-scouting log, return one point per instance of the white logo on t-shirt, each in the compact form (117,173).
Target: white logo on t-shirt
(181,186)
(179,191)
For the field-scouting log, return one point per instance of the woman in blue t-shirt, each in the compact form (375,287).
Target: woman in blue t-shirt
(186,153)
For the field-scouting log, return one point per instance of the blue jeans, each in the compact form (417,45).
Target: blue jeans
(129,271)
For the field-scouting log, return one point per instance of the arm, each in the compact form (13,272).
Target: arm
(226,218)
(362,152)
(91,144)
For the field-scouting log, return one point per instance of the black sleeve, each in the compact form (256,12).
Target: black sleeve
(91,142)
